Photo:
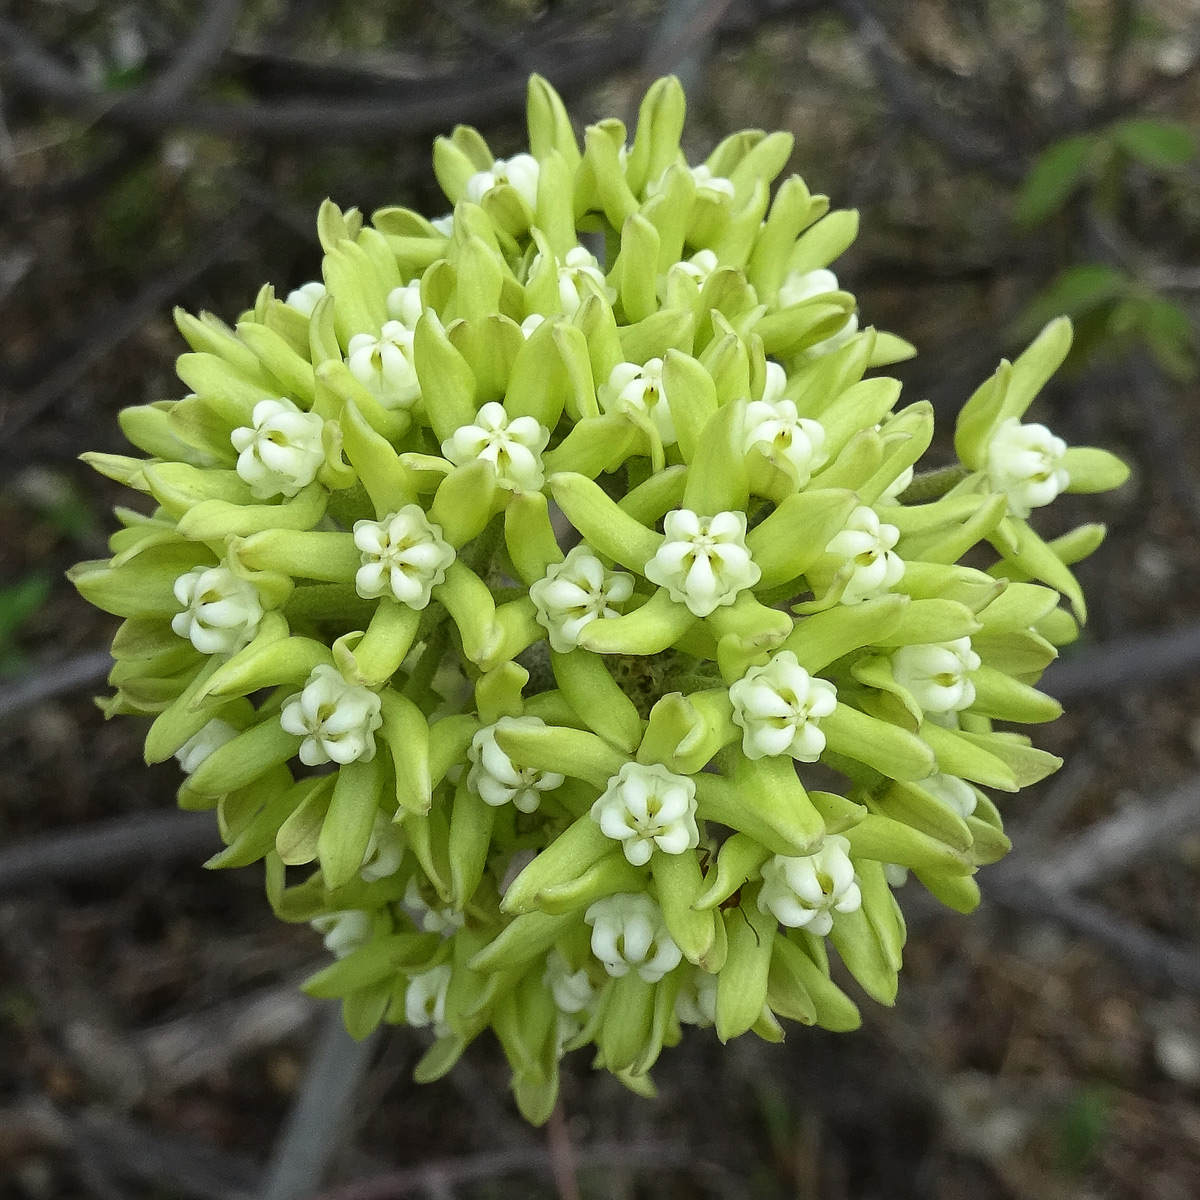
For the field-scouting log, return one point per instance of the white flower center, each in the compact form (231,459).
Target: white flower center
(628,931)
(704,562)
(336,719)
(497,780)
(384,365)
(937,674)
(576,592)
(304,298)
(791,442)
(514,447)
(404,304)
(805,892)
(778,708)
(403,556)
(221,612)
(646,806)
(633,388)
(1025,463)
(865,547)
(519,172)
(282,452)
(200,745)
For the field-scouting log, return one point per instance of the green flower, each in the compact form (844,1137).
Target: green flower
(565,568)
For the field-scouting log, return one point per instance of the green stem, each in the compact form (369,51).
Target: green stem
(933,485)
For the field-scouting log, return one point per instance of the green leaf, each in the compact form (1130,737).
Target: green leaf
(1155,142)
(1078,291)
(1056,174)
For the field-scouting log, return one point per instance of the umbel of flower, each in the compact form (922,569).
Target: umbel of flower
(596,591)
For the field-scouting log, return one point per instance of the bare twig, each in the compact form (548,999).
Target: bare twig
(562,1155)
(318,1117)
(108,846)
(199,54)
(54,679)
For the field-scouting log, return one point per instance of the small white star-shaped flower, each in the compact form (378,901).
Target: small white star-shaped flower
(497,780)
(574,593)
(425,999)
(403,556)
(703,562)
(519,172)
(645,806)
(404,304)
(221,612)
(865,545)
(1025,463)
(513,447)
(938,674)
(778,707)
(384,365)
(776,430)
(805,892)
(628,931)
(282,451)
(304,298)
(633,388)
(336,719)
(200,745)
(343,932)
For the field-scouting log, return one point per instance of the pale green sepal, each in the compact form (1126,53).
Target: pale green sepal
(1020,545)
(654,627)
(825,637)
(926,621)
(573,752)
(498,692)
(256,837)
(679,884)
(149,428)
(303,554)
(875,671)
(882,910)
(828,239)
(650,501)
(659,128)
(215,520)
(336,385)
(464,502)
(978,418)
(1028,764)
(593,693)
(428,836)
(529,536)
(178,486)
(270,660)
(242,760)
(208,334)
(792,968)
(791,539)
(1033,368)
(386,480)
(1015,609)
(522,940)
(717,477)
(958,754)
(228,389)
(335,225)
(602,144)
(1005,698)
(515,629)
(469,602)
(859,407)
(889,349)
(856,941)
(143,588)
(950,545)
(608,876)
(788,331)
(691,396)
(385,644)
(885,840)
(892,751)
(925,581)
(293,372)
(538,383)
(738,861)
(576,358)
(685,732)
(742,983)
(910,804)
(490,343)
(439,1060)
(359,296)
(667,329)
(454,168)
(296,838)
(628,1024)
(791,213)
(607,528)
(471,823)
(958,892)
(447,381)
(346,831)
(1093,470)
(636,269)
(594,446)
(549,125)
(563,861)
(766,800)
(178,721)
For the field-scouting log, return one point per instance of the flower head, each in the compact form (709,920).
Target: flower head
(779,707)
(628,931)
(513,447)
(938,674)
(805,892)
(645,806)
(282,451)
(336,719)
(704,562)
(1025,463)
(497,780)
(576,592)
(403,556)
(865,547)
(221,612)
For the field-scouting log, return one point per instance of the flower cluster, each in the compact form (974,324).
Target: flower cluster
(559,535)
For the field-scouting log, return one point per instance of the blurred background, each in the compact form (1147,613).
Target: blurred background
(1012,159)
